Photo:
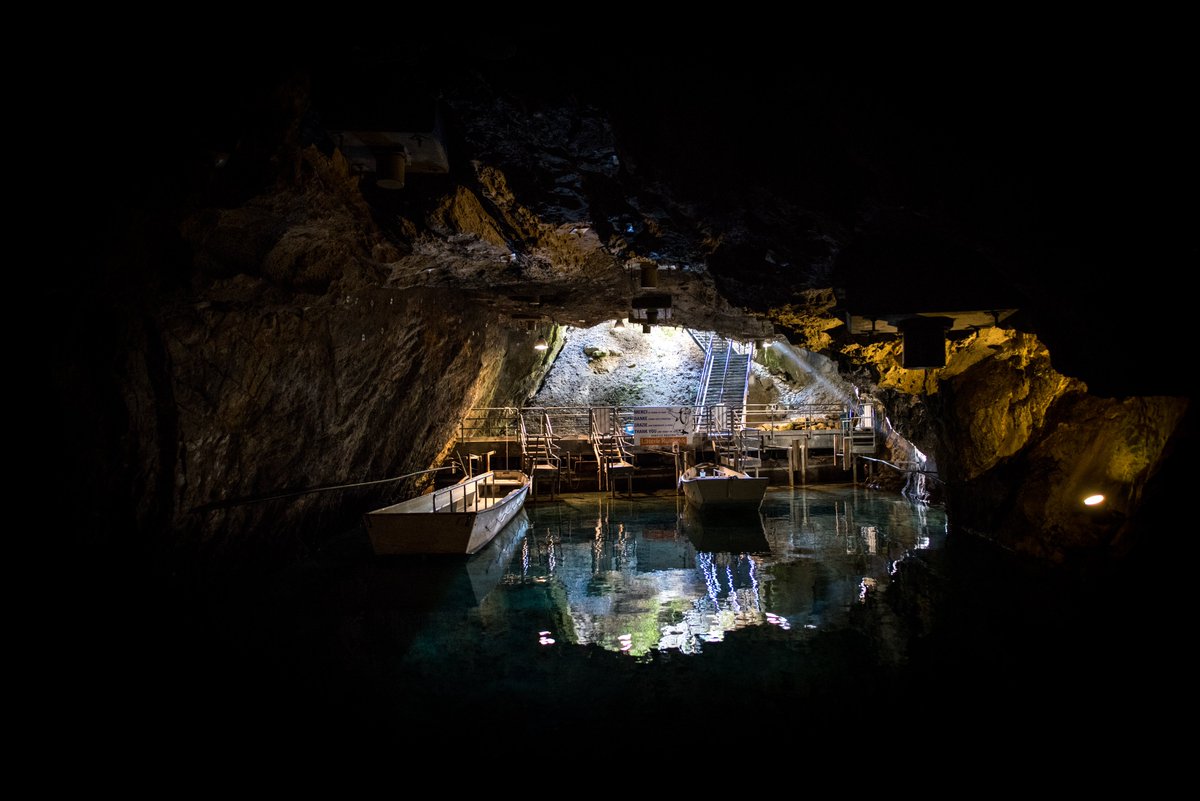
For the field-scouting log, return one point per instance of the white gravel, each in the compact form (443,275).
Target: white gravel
(662,368)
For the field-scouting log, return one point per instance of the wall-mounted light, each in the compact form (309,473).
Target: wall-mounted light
(540,343)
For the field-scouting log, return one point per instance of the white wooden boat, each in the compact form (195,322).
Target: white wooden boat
(459,519)
(716,486)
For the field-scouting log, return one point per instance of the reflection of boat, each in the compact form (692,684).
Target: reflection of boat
(709,485)
(487,568)
(459,519)
(733,530)
(420,583)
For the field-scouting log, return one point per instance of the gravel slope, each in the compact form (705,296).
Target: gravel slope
(600,366)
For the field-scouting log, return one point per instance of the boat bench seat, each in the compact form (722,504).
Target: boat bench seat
(469,504)
(507,483)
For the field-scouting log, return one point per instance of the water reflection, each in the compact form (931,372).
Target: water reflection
(837,617)
(651,575)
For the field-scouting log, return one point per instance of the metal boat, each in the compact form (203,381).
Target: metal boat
(709,485)
(459,519)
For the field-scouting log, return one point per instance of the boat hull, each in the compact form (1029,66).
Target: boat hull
(461,519)
(720,487)
(735,529)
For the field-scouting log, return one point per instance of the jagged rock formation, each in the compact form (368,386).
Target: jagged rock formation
(259,318)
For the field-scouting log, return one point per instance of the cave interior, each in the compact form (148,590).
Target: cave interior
(303,264)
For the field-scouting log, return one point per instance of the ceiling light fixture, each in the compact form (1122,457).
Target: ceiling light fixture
(540,343)
(649,277)
(651,308)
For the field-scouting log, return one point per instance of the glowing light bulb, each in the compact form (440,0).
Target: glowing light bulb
(1093,500)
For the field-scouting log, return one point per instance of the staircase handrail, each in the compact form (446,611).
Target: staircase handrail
(702,389)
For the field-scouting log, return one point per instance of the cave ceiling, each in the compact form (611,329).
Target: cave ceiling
(776,188)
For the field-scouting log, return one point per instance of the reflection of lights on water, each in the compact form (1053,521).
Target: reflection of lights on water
(733,599)
(778,620)
(865,586)
(923,543)
(598,545)
(684,605)
(871,535)
(677,636)
(710,575)
(544,638)
(724,606)
(754,581)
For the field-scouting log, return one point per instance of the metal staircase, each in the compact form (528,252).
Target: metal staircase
(613,459)
(721,398)
(541,456)
(726,376)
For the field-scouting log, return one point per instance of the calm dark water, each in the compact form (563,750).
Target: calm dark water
(834,613)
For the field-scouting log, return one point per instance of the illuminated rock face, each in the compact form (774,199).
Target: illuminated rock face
(1020,446)
(271,323)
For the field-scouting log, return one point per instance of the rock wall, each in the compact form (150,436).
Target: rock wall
(1019,445)
(252,320)
(303,351)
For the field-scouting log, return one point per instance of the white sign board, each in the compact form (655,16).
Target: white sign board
(662,425)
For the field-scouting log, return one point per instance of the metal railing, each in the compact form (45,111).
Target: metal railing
(576,421)
(728,348)
(467,493)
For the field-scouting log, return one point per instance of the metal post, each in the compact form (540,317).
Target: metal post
(804,461)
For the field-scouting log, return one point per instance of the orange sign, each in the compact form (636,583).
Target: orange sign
(662,440)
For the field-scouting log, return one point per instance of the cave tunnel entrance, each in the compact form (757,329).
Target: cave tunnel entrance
(673,397)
